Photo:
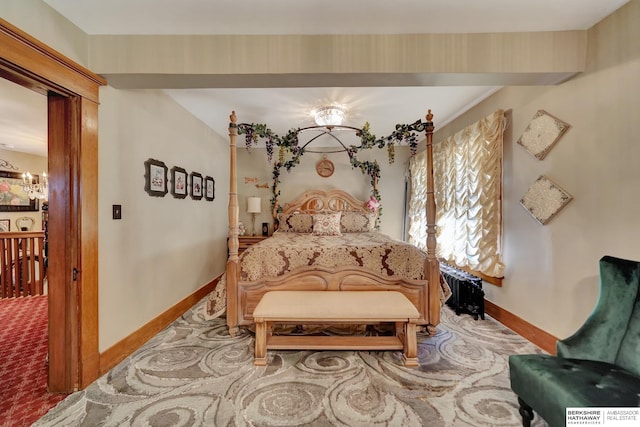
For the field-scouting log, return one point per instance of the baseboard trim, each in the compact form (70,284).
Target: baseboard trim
(125,347)
(542,339)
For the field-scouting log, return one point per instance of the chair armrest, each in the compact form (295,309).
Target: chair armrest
(590,342)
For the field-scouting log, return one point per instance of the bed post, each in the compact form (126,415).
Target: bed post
(431,264)
(232,263)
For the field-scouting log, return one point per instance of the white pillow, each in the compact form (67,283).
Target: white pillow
(327,224)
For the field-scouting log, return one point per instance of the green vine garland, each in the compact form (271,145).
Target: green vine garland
(289,143)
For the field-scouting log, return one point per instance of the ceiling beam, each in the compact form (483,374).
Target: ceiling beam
(345,60)
(191,81)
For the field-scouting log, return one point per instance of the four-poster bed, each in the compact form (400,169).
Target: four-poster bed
(374,264)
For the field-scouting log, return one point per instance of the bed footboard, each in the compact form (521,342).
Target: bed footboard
(248,294)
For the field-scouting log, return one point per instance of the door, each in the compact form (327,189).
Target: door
(72,93)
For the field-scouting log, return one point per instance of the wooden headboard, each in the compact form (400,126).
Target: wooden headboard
(321,201)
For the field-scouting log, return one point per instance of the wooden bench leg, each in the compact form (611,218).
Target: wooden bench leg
(410,344)
(400,329)
(260,357)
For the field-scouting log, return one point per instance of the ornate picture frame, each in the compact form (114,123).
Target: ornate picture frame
(196,186)
(209,188)
(542,133)
(13,198)
(155,178)
(544,199)
(179,182)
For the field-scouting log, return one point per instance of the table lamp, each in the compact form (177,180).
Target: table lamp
(253,207)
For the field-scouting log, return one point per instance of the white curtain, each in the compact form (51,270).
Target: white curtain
(418,200)
(468,193)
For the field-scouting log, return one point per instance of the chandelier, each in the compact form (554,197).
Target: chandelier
(35,189)
(332,115)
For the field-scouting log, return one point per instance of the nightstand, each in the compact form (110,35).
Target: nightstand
(246,241)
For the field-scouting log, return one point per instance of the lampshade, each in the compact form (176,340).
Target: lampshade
(253,204)
(332,115)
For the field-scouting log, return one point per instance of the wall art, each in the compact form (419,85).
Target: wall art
(13,197)
(544,199)
(196,186)
(542,133)
(155,178)
(209,188)
(179,182)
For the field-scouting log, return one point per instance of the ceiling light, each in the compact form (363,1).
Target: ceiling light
(35,189)
(332,115)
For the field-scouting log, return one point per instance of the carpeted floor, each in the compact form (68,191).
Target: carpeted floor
(23,367)
(194,374)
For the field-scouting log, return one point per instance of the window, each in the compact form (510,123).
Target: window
(468,193)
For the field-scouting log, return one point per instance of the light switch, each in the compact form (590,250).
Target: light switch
(117,211)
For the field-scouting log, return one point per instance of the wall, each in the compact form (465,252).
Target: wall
(40,21)
(24,163)
(303,177)
(163,249)
(552,278)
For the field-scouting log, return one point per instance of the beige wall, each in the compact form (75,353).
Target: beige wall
(163,249)
(552,278)
(304,177)
(37,19)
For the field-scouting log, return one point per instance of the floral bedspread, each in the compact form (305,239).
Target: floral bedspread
(285,252)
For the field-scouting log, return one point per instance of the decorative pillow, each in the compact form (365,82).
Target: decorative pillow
(357,222)
(327,224)
(295,223)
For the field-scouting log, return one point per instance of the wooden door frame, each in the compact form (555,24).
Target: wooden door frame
(72,94)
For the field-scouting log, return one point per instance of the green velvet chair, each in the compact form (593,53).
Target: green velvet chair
(598,366)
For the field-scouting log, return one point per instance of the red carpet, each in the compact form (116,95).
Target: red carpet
(23,368)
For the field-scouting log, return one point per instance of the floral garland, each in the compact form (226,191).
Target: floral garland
(408,133)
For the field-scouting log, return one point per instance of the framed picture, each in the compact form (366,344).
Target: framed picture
(209,188)
(155,178)
(5,225)
(178,182)
(196,186)
(544,199)
(13,198)
(542,133)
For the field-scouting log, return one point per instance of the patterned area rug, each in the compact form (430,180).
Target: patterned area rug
(23,366)
(194,374)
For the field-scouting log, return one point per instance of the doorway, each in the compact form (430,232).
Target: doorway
(72,111)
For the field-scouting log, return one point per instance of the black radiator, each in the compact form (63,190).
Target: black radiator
(467,295)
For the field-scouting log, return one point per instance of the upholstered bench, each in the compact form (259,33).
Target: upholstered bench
(335,307)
